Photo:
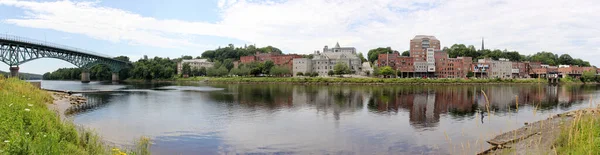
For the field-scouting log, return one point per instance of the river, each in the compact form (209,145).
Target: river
(200,118)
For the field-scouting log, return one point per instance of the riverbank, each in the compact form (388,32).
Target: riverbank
(29,124)
(574,132)
(360,81)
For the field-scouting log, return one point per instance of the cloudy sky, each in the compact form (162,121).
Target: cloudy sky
(188,27)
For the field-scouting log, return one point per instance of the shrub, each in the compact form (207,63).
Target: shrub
(299,74)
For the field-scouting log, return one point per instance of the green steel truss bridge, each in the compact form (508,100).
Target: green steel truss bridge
(15,51)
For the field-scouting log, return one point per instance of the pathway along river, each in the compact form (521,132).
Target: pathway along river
(199,118)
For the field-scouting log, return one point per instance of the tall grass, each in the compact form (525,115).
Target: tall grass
(581,137)
(27,126)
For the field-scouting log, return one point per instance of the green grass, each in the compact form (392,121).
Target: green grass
(581,137)
(358,80)
(27,126)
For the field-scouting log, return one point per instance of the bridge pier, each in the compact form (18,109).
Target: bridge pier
(14,71)
(115,77)
(85,77)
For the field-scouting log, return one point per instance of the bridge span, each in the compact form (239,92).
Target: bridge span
(15,51)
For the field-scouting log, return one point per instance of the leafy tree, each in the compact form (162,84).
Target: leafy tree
(470,74)
(228,63)
(279,71)
(565,59)
(202,71)
(362,57)
(386,70)
(406,53)
(186,69)
(373,54)
(330,73)
(187,57)
(588,76)
(266,67)
(341,68)
(195,71)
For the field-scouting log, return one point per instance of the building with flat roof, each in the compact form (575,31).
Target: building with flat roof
(323,62)
(194,63)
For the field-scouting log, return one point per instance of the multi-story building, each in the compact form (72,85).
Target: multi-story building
(521,69)
(323,62)
(451,67)
(422,48)
(194,63)
(502,68)
(573,71)
(284,60)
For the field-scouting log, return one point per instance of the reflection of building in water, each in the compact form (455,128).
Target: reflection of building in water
(423,112)
(329,99)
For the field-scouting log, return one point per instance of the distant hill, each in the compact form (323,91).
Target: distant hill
(26,76)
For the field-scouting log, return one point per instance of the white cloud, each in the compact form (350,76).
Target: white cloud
(302,26)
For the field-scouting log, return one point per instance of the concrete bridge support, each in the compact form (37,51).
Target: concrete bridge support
(14,71)
(115,77)
(85,77)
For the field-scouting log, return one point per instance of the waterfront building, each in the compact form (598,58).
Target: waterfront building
(451,67)
(285,60)
(194,63)
(323,62)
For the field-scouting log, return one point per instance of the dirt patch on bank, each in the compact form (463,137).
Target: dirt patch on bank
(63,101)
(535,138)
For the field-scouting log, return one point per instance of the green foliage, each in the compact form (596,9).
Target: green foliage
(362,57)
(470,74)
(186,69)
(581,137)
(406,53)
(63,74)
(386,70)
(234,53)
(156,68)
(588,76)
(460,50)
(373,54)
(341,68)
(299,74)
(221,71)
(280,71)
(187,57)
(228,63)
(330,73)
(568,79)
(266,67)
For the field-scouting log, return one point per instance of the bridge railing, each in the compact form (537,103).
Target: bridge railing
(49,44)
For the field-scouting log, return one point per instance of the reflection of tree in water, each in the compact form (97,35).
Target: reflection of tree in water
(331,99)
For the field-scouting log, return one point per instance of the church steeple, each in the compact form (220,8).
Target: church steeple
(337,45)
(482,46)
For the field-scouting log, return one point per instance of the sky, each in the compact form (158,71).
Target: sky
(136,28)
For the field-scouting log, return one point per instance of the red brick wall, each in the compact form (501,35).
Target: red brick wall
(247,59)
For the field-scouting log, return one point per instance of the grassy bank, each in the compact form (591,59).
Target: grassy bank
(27,126)
(357,80)
(580,137)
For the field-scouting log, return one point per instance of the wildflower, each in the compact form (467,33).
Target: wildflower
(7,141)
(31,105)
(44,135)
(10,105)
(27,110)
(115,149)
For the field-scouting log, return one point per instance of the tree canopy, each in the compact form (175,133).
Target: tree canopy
(234,53)
(460,50)
(341,68)
(373,54)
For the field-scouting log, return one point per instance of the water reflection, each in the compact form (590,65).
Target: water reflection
(227,119)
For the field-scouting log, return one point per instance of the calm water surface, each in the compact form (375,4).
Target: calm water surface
(198,118)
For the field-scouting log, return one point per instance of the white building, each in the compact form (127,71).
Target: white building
(501,68)
(323,62)
(194,63)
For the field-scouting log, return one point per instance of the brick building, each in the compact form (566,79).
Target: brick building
(277,59)
(451,67)
(521,69)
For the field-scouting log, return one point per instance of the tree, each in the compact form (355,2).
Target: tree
(341,68)
(362,58)
(299,74)
(470,74)
(266,67)
(195,71)
(186,69)
(386,70)
(280,71)
(228,63)
(406,53)
(330,73)
(565,59)
(373,54)
(202,71)
(187,57)
(589,76)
